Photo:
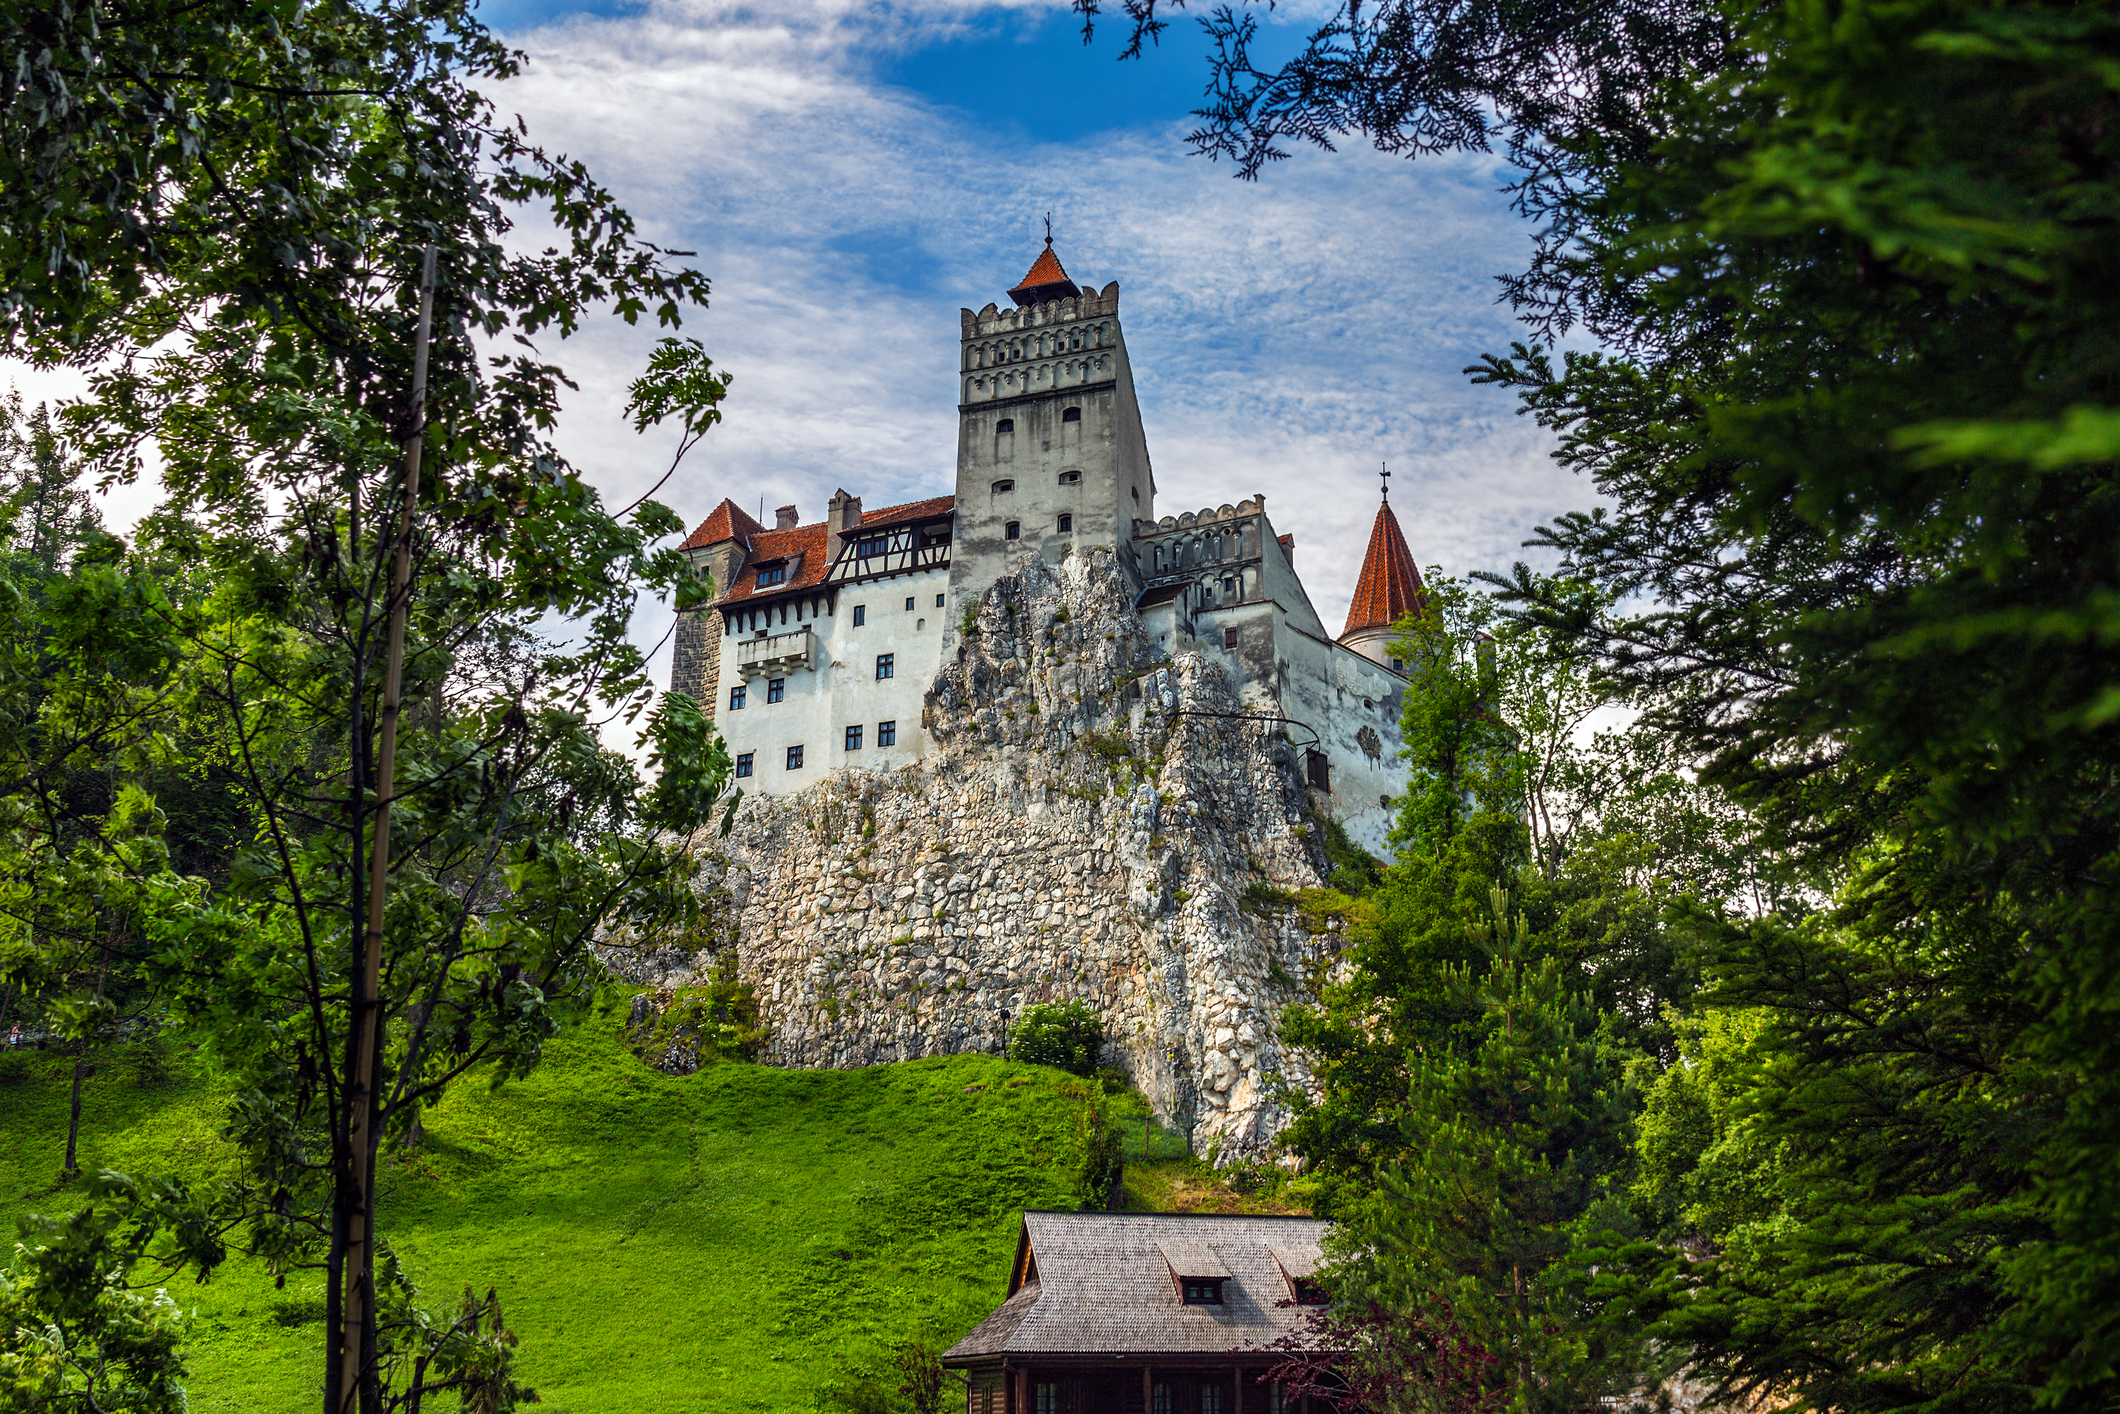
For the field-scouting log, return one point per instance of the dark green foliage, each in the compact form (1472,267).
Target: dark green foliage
(1860,444)
(1100,1179)
(1064,1034)
(75,1336)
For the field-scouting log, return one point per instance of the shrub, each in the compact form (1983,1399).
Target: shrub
(1098,1184)
(920,1376)
(1063,1034)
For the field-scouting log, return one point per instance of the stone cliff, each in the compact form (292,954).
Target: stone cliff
(1095,823)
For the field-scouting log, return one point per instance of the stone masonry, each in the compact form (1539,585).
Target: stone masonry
(1092,824)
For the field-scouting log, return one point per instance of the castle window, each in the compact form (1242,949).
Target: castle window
(794,758)
(872,545)
(861,615)
(776,689)
(1161,1403)
(772,575)
(1229,585)
(909,603)
(1070,478)
(886,664)
(1309,1293)
(1229,638)
(743,763)
(1067,524)
(736,696)
(1317,770)
(938,601)
(1006,424)
(853,738)
(1210,1399)
(1012,531)
(1046,1398)
(1203,1293)
(1001,486)
(1071,415)
(886,733)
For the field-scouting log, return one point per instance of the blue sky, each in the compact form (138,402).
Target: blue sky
(851,173)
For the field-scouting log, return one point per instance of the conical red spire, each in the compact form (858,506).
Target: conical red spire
(1046,280)
(1390,586)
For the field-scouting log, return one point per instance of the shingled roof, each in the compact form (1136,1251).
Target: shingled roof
(1102,1283)
(1390,585)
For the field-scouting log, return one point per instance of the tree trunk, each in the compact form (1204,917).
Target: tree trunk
(82,1070)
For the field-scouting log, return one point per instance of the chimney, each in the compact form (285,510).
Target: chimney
(842,512)
(784,518)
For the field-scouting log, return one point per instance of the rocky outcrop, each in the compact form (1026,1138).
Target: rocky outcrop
(1095,824)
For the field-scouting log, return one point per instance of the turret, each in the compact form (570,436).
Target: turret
(1389,589)
(1050,451)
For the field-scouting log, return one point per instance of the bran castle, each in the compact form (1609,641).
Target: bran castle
(818,656)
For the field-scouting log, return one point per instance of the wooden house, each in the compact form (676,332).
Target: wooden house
(1143,1313)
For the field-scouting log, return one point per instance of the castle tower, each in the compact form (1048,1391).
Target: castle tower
(1050,451)
(1389,589)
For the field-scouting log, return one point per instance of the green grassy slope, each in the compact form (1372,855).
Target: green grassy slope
(731,1240)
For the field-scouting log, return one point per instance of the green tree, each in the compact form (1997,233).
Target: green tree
(1515,1128)
(239,200)
(75,1336)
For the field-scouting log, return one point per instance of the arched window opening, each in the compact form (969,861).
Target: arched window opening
(1012,531)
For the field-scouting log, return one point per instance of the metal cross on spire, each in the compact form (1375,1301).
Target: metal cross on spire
(1386,474)
(1048,228)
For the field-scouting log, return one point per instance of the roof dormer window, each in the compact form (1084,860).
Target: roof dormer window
(772,574)
(1203,1293)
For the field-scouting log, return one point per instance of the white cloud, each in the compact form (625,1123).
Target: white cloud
(1286,335)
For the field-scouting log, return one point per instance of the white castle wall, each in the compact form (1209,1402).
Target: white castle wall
(839,688)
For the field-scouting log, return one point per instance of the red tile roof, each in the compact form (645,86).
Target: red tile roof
(770,547)
(1390,585)
(725,522)
(933,508)
(1046,280)
(812,543)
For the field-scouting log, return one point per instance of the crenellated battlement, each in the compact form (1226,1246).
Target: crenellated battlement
(1190,520)
(993,320)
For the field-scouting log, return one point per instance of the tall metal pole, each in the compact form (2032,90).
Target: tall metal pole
(359,1260)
